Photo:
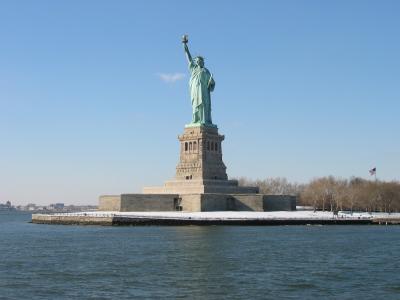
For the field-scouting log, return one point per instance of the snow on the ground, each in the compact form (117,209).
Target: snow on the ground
(232,215)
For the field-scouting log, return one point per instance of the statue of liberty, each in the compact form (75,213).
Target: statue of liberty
(201,85)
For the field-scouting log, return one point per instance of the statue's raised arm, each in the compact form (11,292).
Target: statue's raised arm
(186,48)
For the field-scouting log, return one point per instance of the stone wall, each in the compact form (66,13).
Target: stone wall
(200,186)
(191,202)
(109,203)
(222,202)
(279,202)
(149,202)
(197,202)
(215,202)
(248,202)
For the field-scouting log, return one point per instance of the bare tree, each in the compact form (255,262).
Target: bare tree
(335,193)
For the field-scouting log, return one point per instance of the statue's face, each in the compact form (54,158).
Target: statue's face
(199,62)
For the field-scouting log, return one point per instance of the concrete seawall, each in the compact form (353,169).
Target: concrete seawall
(244,222)
(82,219)
(72,220)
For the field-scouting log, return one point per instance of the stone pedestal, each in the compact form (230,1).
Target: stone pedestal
(200,169)
(201,154)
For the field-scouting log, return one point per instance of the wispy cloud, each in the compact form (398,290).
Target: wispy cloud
(170,77)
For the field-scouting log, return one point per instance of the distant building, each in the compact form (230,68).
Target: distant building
(56,206)
(6,206)
(30,207)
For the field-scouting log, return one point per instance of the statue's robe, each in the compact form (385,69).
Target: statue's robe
(201,84)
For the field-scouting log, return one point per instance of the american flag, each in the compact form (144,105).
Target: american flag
(372,171)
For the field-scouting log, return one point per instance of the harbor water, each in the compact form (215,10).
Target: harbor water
(197,262)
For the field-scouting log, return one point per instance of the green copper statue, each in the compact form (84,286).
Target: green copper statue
(201,85)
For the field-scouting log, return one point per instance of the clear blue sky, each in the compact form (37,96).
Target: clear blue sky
(303,89)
